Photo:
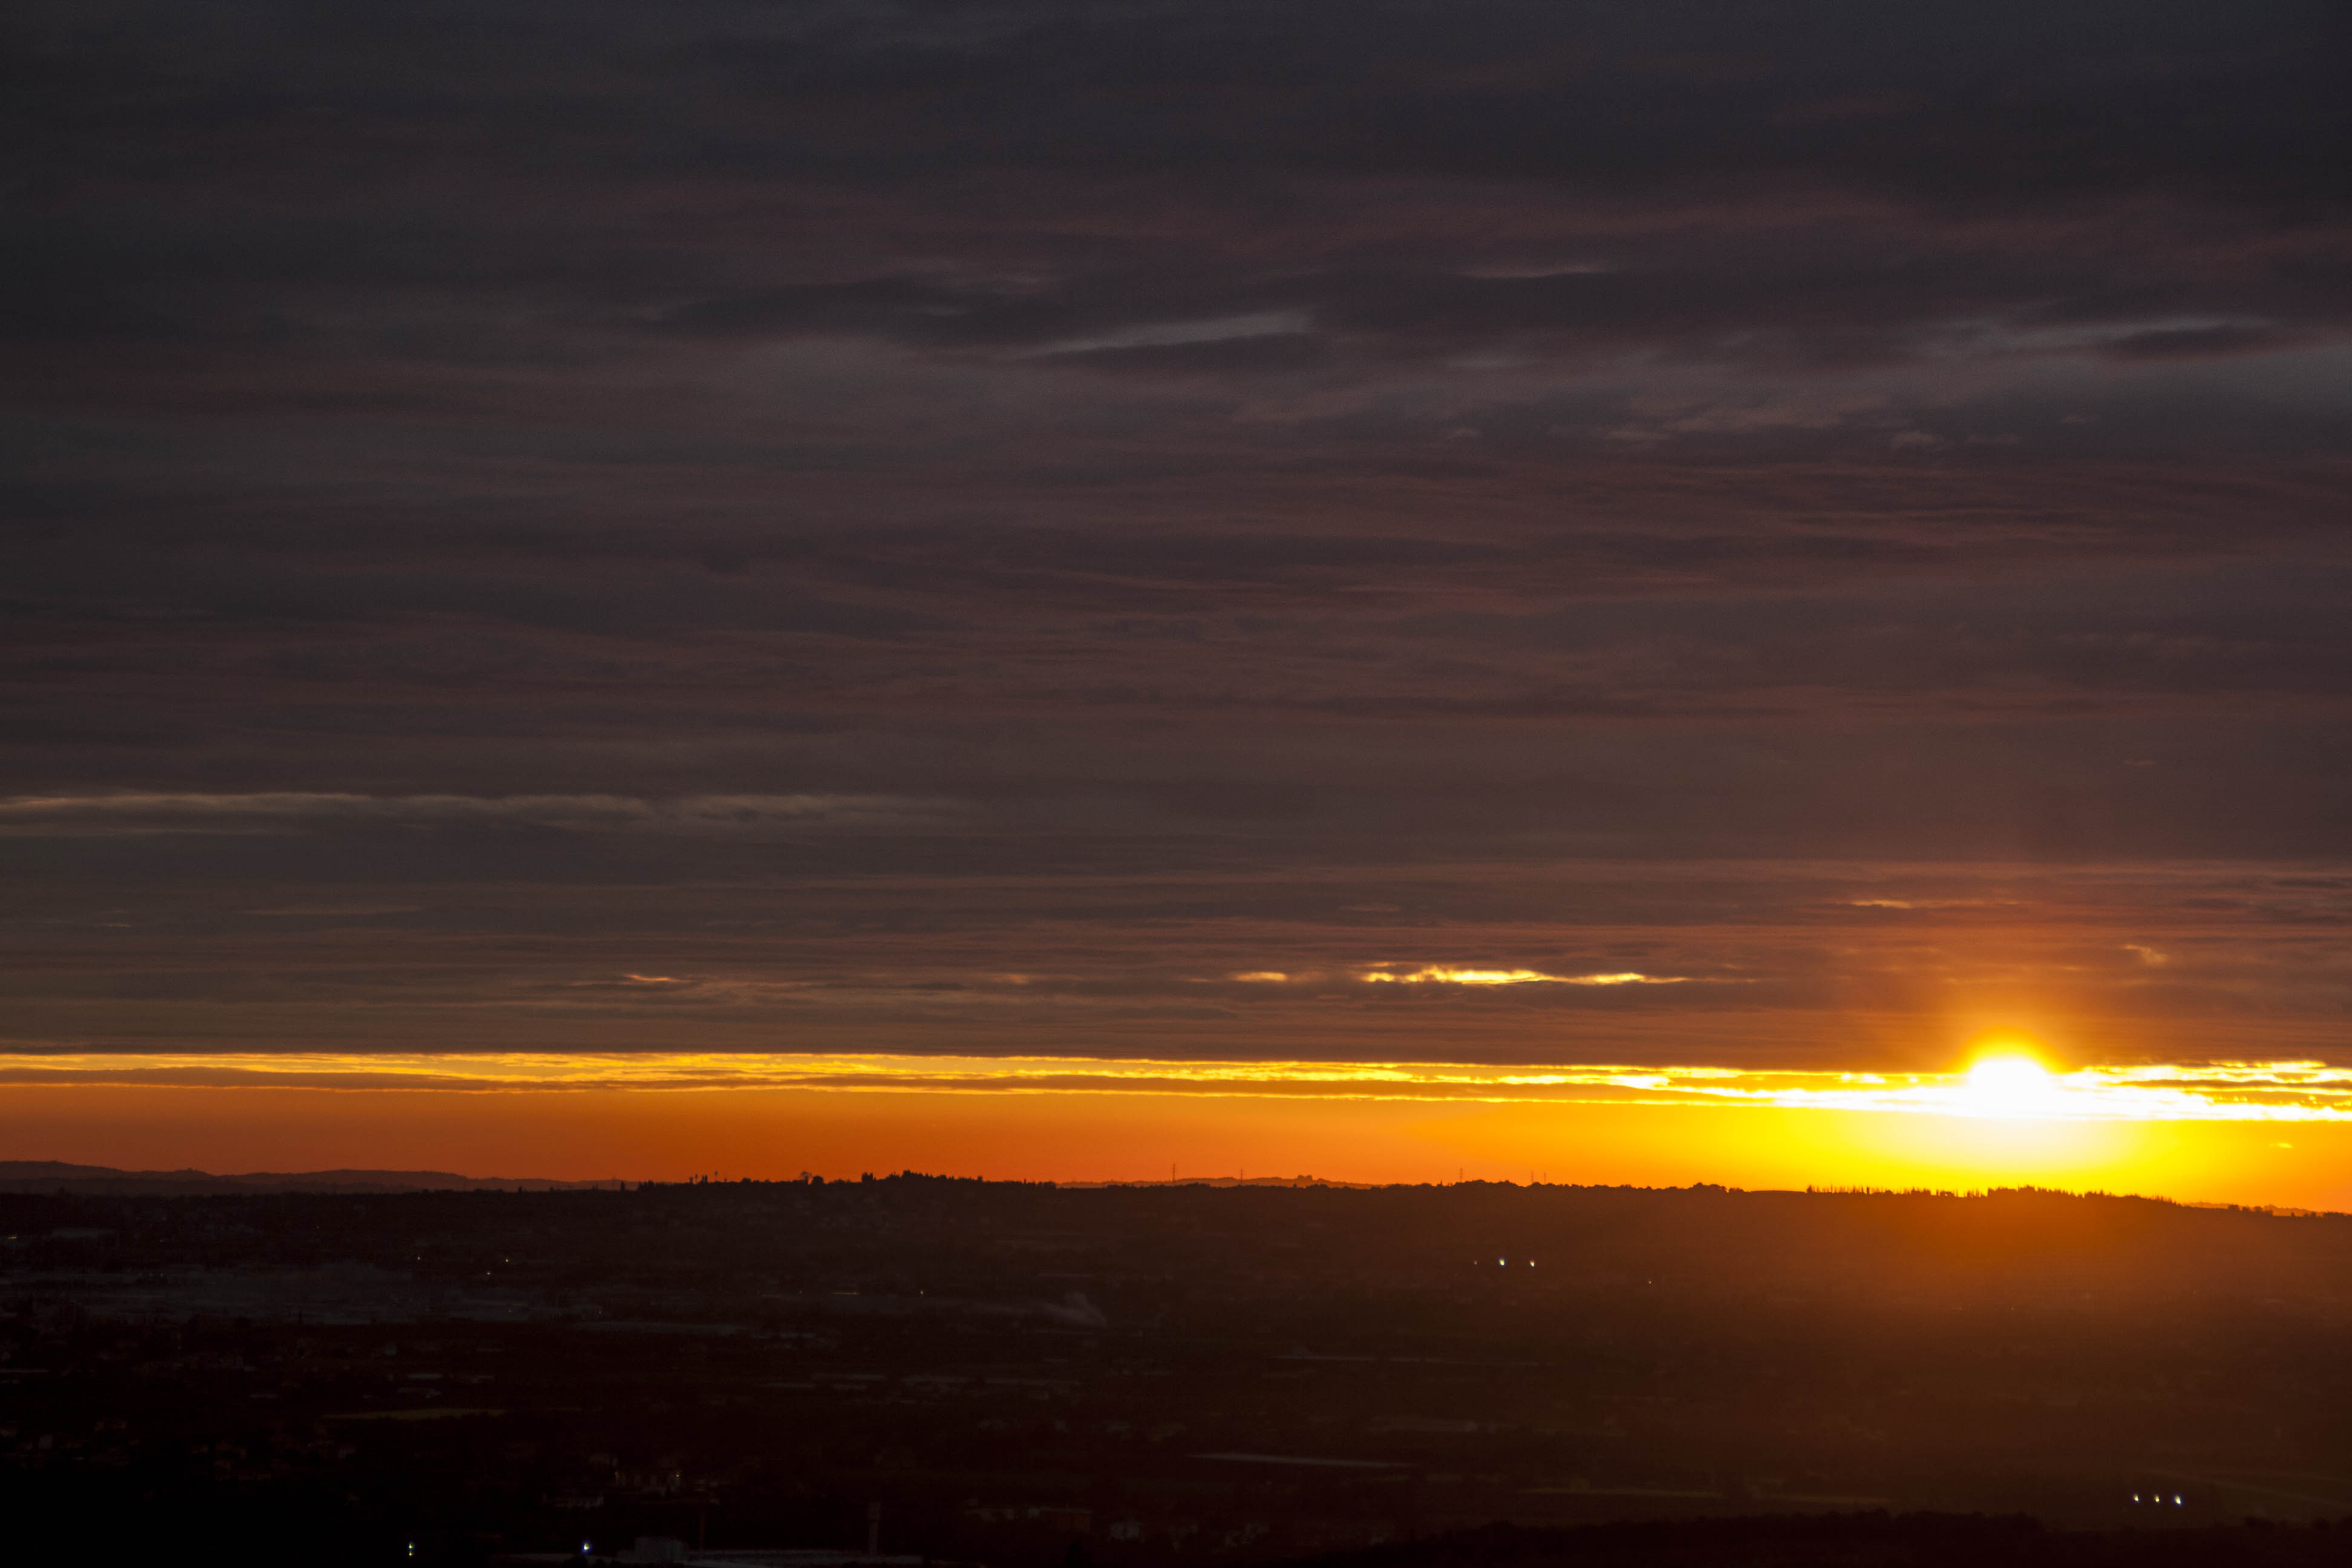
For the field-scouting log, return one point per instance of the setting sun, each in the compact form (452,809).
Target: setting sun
(2012,1082)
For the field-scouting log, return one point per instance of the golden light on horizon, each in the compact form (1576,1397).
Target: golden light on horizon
(2007,1072)
(2256,1132)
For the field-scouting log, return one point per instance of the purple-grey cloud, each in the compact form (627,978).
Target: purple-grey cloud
(836,506)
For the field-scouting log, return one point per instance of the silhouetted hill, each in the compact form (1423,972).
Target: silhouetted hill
(56,1176)
(1182,1377)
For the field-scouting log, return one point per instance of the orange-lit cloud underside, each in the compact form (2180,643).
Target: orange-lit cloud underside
(2267,1132)
(2226,1091)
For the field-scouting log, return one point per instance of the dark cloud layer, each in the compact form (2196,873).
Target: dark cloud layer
(841,504)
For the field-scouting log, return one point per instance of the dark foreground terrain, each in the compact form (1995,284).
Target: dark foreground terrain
(1024,1375)
(1860,1541)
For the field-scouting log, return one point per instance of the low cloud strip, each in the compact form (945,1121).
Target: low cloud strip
(2209,1092)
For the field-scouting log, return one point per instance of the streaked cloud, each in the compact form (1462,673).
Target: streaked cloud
(137,812)
(1494,532)
(1439,974)
(2281,1091)
(1175,334)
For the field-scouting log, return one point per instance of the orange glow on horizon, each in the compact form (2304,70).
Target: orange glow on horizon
(2276,1132)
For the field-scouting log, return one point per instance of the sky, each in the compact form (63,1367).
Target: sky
(1766,538)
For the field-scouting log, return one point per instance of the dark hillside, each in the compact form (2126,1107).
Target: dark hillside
(1163,1377)
(1859,1540)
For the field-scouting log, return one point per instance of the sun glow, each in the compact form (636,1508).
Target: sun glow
(2254,1130)
(2008,1077)
(2011,1083)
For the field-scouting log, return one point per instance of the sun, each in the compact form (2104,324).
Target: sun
(2008,1078)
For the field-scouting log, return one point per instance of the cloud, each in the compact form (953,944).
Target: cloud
(2256,1091)
(1180,334)
(836,508)
(1446,975)
(904,949)
(128,812)
(2198,342)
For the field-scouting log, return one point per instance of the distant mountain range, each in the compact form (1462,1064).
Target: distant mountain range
(56,1176)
